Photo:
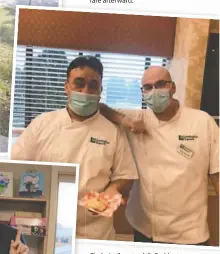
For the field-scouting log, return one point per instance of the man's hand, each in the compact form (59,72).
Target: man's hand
(135,126)
(109,193)
(17,247)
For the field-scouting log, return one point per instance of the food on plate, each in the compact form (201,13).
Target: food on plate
(97,203)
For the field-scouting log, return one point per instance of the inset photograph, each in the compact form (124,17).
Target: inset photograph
(36,215)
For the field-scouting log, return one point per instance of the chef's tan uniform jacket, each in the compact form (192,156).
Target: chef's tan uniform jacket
(98,145)
(169,202)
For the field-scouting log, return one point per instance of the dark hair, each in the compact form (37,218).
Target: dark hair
(83,61)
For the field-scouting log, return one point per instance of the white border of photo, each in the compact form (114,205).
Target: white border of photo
(187,8)
(120,247)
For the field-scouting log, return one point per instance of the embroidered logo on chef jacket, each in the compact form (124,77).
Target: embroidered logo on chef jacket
(187,138)
(184,151)
(99,141)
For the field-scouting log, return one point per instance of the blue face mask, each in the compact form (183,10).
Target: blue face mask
(83,104)
(158,99)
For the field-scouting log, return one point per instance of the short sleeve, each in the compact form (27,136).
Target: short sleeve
(124,166)
(214,146)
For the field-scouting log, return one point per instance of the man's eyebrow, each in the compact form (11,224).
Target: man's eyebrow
(83,79)
(94,80)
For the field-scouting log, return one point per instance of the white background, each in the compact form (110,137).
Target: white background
(108,247)
(177,7)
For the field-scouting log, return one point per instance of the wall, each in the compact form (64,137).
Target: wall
(68,172)
(187,65)
(213,220)
(214,26)
(18,169)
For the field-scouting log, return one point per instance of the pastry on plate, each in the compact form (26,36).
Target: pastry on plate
(97,203)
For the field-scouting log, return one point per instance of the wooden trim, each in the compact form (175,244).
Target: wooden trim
(214,26)
(21,199)
(52,218)
(100,32)
(124,237)
(211,189)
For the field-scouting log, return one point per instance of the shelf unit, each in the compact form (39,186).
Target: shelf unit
(9,205)
(36,200)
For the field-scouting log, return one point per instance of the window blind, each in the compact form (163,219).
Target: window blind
(41,73)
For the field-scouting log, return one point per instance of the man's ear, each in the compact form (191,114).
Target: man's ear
(173,90)
(101,89)
(66,88)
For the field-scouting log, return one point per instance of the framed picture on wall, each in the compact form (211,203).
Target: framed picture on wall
(6,184)
(31,184)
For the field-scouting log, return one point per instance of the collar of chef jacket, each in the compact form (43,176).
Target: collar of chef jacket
(67,119)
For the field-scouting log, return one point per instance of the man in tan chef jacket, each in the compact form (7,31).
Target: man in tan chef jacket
(80,134)
(175,159)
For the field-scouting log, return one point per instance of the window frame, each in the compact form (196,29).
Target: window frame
(57,170)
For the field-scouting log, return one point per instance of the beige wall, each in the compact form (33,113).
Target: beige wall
(18,169)
(214,26)
(187,65)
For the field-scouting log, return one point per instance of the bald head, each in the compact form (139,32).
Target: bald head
(155,73)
